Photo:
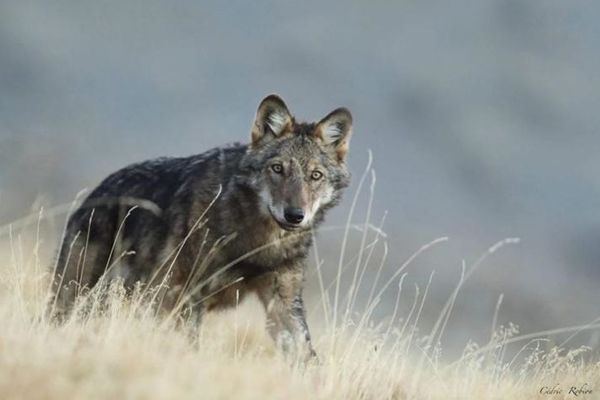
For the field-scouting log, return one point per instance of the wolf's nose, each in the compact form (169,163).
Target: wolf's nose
(293,215)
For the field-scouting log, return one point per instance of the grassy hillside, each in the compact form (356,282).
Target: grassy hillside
(120,348)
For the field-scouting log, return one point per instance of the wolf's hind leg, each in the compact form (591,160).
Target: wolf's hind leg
(76,270)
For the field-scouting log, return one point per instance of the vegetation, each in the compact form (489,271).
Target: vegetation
(118,346)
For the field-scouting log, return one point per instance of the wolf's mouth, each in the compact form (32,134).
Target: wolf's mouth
(287,227)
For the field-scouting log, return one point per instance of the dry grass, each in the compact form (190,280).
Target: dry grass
(121,348)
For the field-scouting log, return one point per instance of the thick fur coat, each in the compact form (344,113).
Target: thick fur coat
(213,227)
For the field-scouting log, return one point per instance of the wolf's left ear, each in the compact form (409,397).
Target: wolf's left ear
(335,130)
(273,119)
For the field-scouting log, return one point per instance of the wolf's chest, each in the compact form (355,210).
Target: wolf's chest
(274,250)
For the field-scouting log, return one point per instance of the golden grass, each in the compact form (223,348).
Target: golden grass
(120,348)
(124,350)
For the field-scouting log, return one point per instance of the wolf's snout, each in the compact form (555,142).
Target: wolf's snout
(293,215)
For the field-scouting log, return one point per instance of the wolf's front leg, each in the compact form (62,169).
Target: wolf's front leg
(281,294)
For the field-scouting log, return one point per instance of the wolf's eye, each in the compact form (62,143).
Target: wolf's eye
(316,175)
(277,168)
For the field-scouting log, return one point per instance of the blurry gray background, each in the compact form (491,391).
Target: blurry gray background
(483,118)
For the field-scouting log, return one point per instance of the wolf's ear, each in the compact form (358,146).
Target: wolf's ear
(335,130)
(272,119)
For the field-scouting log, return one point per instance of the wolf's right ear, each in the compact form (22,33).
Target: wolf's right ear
(273,119)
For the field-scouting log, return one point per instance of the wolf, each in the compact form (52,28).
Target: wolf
(214,227)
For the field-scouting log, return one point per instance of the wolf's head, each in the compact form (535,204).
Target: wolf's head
(297,169)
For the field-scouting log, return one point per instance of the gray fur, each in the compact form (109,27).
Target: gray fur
(211,225)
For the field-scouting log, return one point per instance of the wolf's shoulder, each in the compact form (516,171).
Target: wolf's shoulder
(217,158)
